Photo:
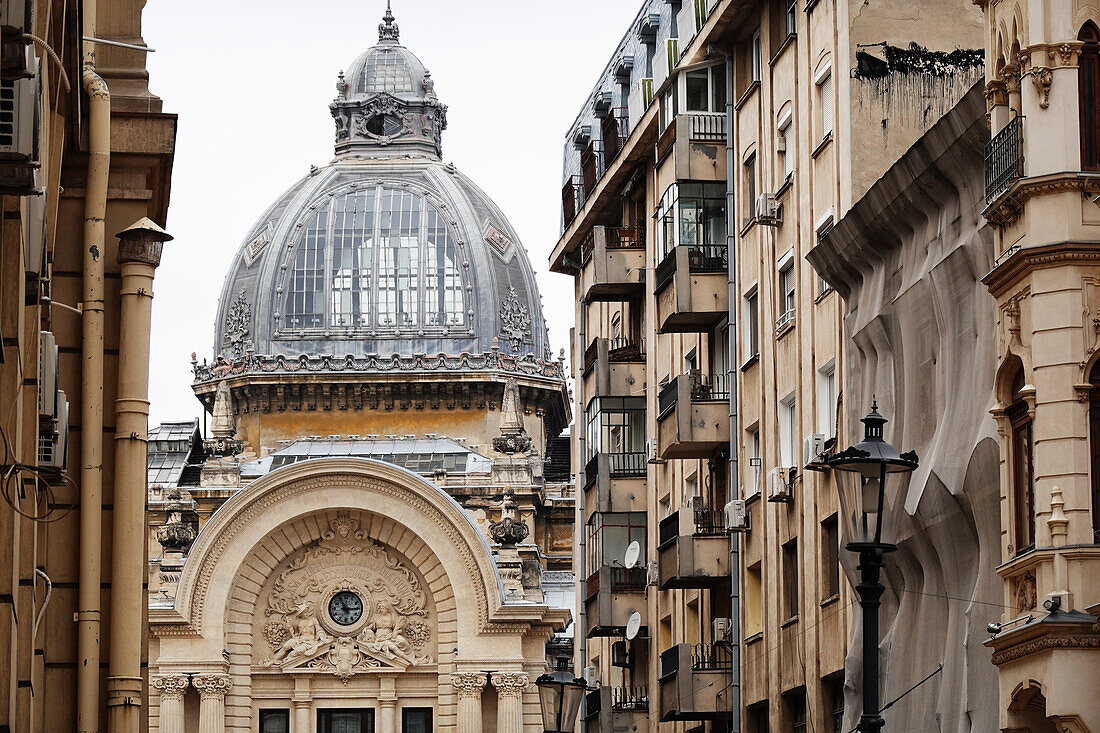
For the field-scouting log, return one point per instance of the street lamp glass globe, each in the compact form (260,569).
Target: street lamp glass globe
(560,696)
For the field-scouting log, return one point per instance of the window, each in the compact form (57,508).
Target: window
(788,431)
(416,720)
(1088,81)
(785,150)
(825,102)
(755,461)
(786,290)
(609,534)
(705,89)
(345,721)
(389,249)
(830,556)
(826,399)
(757,58)
(754,600)
(758,718)
(824,226)
(1023,478)
(274,721)
(752,325)
(834,699)
(750,189)
(795,702)
(693,214)
(790,578)
(668,107)
(790,17)
(616,425)
(720,354)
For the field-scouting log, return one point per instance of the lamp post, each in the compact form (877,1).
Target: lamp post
(560,695)
(871,510)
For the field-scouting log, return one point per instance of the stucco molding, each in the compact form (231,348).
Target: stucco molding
(298,486)
(1046,643)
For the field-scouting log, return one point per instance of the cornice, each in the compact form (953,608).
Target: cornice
(1008,272)
(1008,207)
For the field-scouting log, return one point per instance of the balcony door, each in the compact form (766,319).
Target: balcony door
(345,720)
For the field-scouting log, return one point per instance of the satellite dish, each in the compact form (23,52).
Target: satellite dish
(633,550)
(633,624)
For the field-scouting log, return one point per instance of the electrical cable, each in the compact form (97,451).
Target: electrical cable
(53,57)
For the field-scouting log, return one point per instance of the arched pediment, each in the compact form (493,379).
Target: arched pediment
(329,484)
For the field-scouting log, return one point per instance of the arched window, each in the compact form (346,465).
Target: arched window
(1022,472)
(1088,94)
(1094,447)
(381,251)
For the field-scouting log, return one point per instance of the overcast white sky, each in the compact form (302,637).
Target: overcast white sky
(251,81)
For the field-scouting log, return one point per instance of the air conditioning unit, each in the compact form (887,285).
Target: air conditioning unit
(620,654)
(53,443)
(591,676)
(767,209)
(47,376)
(16,21)
(779,484)
(737,516)
(19,104)
(651,574)
(813,452)
(721,628)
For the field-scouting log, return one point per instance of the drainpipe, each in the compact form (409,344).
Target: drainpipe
(735,555)
(91,401)
(582,525)
(139,251)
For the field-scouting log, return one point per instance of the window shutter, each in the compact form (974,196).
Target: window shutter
(826,90)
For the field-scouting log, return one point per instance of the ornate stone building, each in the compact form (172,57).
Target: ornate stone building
(376,534)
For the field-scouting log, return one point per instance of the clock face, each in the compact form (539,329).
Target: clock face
(345,608)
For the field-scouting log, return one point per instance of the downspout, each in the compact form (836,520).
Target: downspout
(735,554)
(91,399)
(139,251)
(579,632)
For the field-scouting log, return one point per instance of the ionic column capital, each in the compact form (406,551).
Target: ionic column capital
(212,685)
(170,686)
(510,684)
(468,684)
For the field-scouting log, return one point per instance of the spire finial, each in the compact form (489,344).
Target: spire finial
(387,29)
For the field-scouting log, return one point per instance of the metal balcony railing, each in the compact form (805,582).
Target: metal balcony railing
(615,129)
(1004,159)
(625,238)
(627,580)
(709,387)
(587,245)
(572,198)
(708,258)
(711,657)
(708,127)
(627,465)
(668,529)
(709,522)
(666,398)
(630,698)
(670,661)
(624,350)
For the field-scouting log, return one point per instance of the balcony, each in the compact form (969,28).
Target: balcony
(696,142)
(613,368)
(612,264)
(692,549)
(694,682)
(1004,159)
(692,285)
(611,594)
(693,416)
(572,199)
(615,482)
(611,708)
(615,129)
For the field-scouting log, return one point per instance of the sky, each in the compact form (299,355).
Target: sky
(251,81)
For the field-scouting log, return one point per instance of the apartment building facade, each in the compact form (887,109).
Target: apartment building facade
(720,144)
(85,152)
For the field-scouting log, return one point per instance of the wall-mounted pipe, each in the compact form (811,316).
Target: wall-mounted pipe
(91,404)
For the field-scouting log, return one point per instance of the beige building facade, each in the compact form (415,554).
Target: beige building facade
(1040,194)
(85,152)
(373,532)
(720,146)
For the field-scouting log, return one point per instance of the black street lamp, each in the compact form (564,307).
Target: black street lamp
(560,695)
(871,510)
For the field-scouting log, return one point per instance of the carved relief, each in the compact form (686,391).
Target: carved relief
(510,684)
(1042,77)
(212,685)
(515,320)
(468,684)
(1025,591)
(238,324)
(170,686)
(1090,316)
(390,629)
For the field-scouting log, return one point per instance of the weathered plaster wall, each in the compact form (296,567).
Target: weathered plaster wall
(908,259)
(910,64)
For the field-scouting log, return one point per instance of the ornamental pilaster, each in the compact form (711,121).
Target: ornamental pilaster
(212,690)
(469,686)
(171,689)
(510,687)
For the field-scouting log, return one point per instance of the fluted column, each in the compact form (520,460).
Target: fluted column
(212,689)
(171,688)
(469,686)
(510,687)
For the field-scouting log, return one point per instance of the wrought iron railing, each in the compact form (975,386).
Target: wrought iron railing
(709,522)
(615,129)
(572,198)
(709,387)
(627,580)
(626,464)
(1004,159)
(708,258)
(711,657)
(622,350)
(625,238)
(634,697)
(588,243)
